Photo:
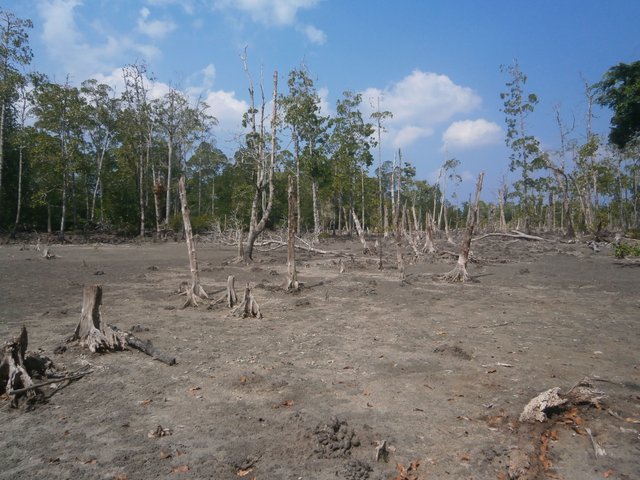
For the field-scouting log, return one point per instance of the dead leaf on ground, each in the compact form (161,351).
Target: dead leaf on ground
(88,461)
(286,404)
(243,380)
(631,420)
(122,476)
(370,405)
(465,457)
(244,473)
(608,473)
(441,333)
(193,390)
(145,402)
(493,370)
(54,460)
(164,454)
(180,469)
(502,476)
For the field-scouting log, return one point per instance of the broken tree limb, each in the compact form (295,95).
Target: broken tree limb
(514,234)
(146,347)
(70,377)
(583,392)
(195,293)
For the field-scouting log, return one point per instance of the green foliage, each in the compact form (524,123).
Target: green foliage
(619,90)
(623,250)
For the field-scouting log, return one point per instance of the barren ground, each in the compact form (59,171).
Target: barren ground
(439,371)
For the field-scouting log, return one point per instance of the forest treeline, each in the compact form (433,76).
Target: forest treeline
(87,158)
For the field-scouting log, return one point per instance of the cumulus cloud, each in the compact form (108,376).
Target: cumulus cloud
(268,12)
(409,134)
(468,134)
(315,35)
(68,46)
(155,29)
(276,13)
(419,102)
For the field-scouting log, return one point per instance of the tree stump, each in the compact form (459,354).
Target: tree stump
(97,336)
(91,332)
(232,298)
(13,373)
(249,307)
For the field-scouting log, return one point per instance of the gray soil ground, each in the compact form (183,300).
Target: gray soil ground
(439,371)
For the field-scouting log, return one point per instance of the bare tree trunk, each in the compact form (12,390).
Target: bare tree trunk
(298,211)
(428,241)
(158,191)
(361,235)
(64,205)
(167,207)
(19,201)
(3,109)
(459,273)
(141,196)
(265,180)
(316,210)
(195,293)
(292,276)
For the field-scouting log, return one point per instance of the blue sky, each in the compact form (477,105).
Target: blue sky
(434,63)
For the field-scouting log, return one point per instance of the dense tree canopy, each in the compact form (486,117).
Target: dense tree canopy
(620,91)
(83,157)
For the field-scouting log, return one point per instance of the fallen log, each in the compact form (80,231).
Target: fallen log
(514,234)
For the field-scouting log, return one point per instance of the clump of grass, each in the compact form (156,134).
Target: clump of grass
(623,250)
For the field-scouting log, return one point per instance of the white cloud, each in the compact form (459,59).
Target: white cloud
(315,35)
(68,46)
(227,108)
(409,134)
(268,12)
(468,134)
(419,102)
(325,108)
(155,29)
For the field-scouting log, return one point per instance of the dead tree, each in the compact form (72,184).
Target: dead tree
(361,235)
(428,239)
(249,307)
(264,163)
(195,293)
(91,332)
(459,273)
(98,336)
(232,298)
(292,284)
(13,373)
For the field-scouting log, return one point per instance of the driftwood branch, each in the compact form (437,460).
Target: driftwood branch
(514,234)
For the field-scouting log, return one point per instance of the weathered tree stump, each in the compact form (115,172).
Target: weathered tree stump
(13,373)
(97,336)
(232,298)
(249,307)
